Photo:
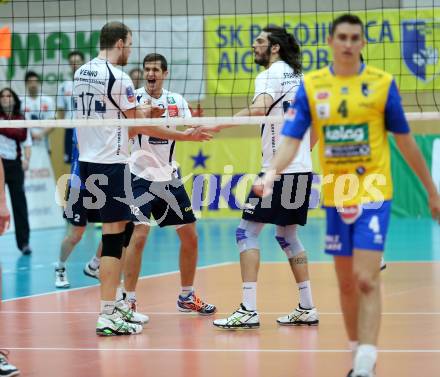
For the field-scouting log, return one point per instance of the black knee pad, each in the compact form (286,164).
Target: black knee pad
(112,245)
(128,233)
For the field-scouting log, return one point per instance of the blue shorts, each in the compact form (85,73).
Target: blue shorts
(367,232)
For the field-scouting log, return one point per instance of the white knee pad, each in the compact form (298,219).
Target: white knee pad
(246,235)
(288,240)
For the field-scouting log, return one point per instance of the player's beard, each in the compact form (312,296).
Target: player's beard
(264,58)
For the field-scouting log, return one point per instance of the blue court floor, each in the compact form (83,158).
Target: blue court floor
(408,240)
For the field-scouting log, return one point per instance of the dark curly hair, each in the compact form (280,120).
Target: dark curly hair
(289,47)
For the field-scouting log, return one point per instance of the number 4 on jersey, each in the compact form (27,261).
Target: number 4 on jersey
(342,109)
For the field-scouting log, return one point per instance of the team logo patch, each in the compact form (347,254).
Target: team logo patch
(171,100)
(322,95)
(350,214)
(365,90)
(420,49)
(130,94)
(323,110)
(173,111)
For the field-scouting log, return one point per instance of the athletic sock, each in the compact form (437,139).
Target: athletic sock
(94,263)
(365,358)
(305,295)
(185,291)
(131,296)
(353,345)
(119,294)
(107,307)
(250,295)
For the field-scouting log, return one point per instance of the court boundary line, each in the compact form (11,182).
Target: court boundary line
(198,268)
(97,285)
(213,350)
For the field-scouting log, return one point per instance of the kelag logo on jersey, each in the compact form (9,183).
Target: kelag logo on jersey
(343,134)
(346,141)
(420,48)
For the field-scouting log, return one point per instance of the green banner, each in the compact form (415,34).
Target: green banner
(404,42)
(410,198)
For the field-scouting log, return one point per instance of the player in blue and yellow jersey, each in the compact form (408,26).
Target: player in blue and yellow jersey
(351,107)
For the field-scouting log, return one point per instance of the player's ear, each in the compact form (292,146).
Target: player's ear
(165,74)
(275,49)
(120,43)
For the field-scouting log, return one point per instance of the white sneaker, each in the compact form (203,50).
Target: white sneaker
(91,272)
(61,278)
(383,265)
(129,315)
(113,324)
(362,373)
(299,316)
(240,319)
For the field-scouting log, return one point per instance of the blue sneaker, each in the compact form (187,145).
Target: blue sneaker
(193,303)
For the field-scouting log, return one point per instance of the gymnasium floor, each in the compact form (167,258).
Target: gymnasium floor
(52,334)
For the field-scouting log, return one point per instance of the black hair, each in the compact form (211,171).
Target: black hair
(153,57)
(76,52)
(31,74)
(112,32)
(17,105)
(346,18)
(289,47)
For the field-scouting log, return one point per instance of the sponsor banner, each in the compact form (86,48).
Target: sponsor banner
(39,185)
(218,175)
(402,42)
(43,46)
(410,199)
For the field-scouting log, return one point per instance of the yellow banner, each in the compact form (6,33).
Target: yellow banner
(403,42)
(218,175)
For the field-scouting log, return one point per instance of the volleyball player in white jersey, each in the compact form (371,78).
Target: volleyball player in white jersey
(102,91)
(159,192)
(76,215)
(275,89)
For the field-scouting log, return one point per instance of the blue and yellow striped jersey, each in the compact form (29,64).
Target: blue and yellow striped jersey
(351,116)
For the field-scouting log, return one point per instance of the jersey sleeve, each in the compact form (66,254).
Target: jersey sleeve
(264,84)
(298,118)
(395,120)
(51,108)
(123,93)
(60,98)
(184,109)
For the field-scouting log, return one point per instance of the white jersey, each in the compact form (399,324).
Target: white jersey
(102,91)
(39,108)
(65,99)
(281,83)
(151,157)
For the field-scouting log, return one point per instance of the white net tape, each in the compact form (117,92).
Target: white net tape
(196,121)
